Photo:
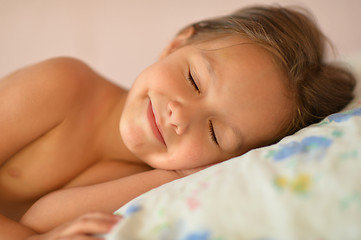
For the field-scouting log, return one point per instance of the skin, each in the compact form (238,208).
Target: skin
(89,136)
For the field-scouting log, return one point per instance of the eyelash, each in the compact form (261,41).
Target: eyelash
(211,129)
(193,83)
(213,134)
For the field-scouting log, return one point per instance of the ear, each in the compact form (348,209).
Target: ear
(178,41)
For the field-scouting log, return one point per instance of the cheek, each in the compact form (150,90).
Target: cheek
(165,78)
(195,154)
(192,153)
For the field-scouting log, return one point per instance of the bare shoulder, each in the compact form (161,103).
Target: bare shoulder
(38,97)
(61,76)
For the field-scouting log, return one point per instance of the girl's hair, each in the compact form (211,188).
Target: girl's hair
(317,88)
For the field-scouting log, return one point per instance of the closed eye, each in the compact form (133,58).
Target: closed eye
(213,134)
(193,83)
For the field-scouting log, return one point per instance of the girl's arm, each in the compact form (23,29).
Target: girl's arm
(80,228)
(67,204)
(13,230)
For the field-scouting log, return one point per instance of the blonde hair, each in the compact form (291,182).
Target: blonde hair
(292,37)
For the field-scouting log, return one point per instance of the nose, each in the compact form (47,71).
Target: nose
(179,117)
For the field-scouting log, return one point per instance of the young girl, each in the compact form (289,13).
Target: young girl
(222,87)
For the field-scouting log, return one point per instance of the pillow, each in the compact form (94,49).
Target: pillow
(307,186)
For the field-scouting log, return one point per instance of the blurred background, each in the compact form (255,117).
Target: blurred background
(119,38)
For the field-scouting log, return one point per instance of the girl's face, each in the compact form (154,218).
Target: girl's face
(205,103)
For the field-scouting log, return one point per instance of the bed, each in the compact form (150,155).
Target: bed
(307,186)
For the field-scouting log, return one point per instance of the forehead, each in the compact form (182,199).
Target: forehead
(234,52)
(249,90)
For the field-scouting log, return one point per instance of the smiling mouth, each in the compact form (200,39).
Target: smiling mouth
(153,123)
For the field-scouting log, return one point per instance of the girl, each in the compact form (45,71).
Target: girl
(69,134)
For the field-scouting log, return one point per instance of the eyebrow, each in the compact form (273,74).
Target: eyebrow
(209,63)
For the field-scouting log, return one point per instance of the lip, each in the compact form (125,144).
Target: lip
(153,123)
